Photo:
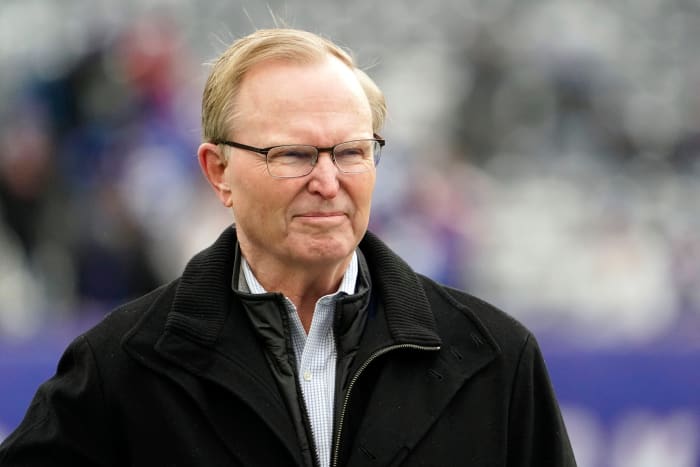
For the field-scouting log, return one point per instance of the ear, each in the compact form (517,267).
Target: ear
(213,164)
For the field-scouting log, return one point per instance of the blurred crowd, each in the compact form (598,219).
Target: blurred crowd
(543,155)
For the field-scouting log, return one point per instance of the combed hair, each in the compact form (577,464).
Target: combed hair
(297,46)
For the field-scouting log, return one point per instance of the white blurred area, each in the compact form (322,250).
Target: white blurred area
(543,155)
(640,438)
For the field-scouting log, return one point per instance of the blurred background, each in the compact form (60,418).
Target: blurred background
(543,155)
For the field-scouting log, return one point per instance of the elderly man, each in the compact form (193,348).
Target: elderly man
(298,338)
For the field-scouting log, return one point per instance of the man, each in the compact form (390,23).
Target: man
(298,338)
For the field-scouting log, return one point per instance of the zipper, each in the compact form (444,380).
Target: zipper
(346,399)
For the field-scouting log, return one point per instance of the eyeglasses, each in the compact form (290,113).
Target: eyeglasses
(298,160)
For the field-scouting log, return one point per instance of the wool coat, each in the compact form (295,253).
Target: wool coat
(179,378)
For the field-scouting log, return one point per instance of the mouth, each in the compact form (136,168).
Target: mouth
(322,218)
(322,214)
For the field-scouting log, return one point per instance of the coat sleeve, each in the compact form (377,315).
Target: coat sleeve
(66,423)
(536,435)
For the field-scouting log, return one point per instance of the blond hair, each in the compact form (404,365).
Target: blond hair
(224,82)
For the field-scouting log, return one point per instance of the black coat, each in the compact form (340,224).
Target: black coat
(178,378)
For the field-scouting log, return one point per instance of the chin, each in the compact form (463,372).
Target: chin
(327,251)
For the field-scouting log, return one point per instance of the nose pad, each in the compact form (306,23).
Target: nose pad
(324,177)
(331,161)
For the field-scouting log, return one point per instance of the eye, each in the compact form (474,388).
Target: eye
(291,154)
(351,151)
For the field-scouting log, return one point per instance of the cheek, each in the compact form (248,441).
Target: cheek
(363,195)
(362,199)
(242,187)
(242,195)
(262,199)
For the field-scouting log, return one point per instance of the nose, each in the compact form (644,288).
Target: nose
(324,177)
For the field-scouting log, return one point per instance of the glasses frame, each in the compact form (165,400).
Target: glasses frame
(331,150)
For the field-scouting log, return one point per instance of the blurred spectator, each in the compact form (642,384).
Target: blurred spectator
(26,160)
(64,153)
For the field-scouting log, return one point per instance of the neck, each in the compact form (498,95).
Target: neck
(303,285)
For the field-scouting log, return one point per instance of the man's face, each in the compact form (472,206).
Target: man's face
(315,220)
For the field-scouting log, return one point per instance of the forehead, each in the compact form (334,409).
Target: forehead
(291,95)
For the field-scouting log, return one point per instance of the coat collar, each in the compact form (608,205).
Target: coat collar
(203,297)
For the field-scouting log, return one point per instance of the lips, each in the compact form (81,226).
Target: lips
(322,214)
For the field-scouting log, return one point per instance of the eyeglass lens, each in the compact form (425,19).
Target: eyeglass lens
(298,160)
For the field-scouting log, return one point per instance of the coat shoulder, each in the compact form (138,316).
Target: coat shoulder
(119,323)
(450,305)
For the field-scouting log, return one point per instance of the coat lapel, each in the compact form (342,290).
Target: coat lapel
(240,368)
(414,387)
(197,333)
(413,390)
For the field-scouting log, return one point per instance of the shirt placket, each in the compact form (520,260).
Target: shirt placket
(316,372)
